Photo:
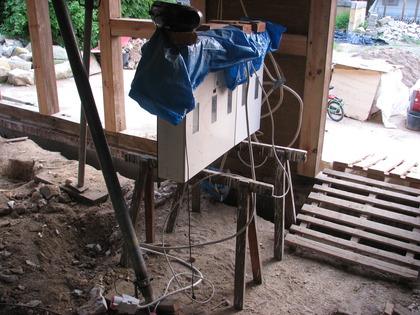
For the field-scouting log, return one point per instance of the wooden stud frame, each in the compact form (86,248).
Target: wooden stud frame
(112,26)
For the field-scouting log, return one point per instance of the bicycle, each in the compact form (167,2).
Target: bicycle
(335,107)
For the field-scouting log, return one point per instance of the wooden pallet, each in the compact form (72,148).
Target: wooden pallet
(363,221)
(386,168)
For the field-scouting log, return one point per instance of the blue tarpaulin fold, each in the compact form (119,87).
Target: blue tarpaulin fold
(168,74)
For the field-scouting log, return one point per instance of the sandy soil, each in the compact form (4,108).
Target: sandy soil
(50,256)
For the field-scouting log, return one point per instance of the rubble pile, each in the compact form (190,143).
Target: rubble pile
(16,64)
(133,48)
(391,30)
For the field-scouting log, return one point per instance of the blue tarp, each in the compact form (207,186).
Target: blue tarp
(168,74)
(357,39)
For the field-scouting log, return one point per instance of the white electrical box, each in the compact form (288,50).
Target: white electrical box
(216,125)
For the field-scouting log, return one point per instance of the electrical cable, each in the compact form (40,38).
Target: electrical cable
(198,275)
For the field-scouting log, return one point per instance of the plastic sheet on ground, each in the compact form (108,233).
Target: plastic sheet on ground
(168,74)
(357,39)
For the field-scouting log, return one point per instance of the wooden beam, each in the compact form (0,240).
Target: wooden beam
(40,31)
(403,9)
(56,128)
(318,69)
(293,45)
(112,67)
(139,28)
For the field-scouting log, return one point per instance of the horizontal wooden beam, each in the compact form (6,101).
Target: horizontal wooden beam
(138,28)
(31,123)
(144,28)
(293,45)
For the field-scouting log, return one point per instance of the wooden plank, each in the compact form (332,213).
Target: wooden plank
(267,150)
(347,80)
(367,199)
(372,185)
(385,166)
(366,209)
(369,189)
(58,129)
(292,44)
(112,69)
(235,181)
(345,255)
(318,236)
(317,80)
(360,233)
(139,28)
(362,223)
(369,161)
(43,60)
(372,182)
(403,168)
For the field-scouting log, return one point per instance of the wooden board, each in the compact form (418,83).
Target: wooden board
(363,221)
(96,192)
(400,170)
(346,81)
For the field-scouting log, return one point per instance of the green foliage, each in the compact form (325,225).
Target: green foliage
(364,24)
(342,21)
(14,22)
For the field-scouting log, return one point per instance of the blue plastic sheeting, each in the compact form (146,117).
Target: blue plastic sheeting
(357,39)
(168,74)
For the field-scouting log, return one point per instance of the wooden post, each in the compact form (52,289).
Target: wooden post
(318,69)
(176,205)
(40,31)
(254,247)
(239,286)
(149,205)
(403,9)
(417,9)
(195,195)
(385,7)
(279,205)
(135,207)
(112,67)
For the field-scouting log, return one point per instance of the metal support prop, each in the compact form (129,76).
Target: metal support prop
(102,150)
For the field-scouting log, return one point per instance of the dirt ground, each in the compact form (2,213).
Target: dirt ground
(54,249)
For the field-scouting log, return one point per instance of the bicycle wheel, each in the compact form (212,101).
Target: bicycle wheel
(335,110)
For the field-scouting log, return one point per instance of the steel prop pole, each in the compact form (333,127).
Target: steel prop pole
(102,149)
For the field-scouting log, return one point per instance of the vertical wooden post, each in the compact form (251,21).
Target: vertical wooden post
(279,205)
(176,205)
(40,31)
(385,7)
(195,195)
(149,206)
(417,9)
(318,69)
(112,67)
(403,9)
(254,246)
(239,286)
